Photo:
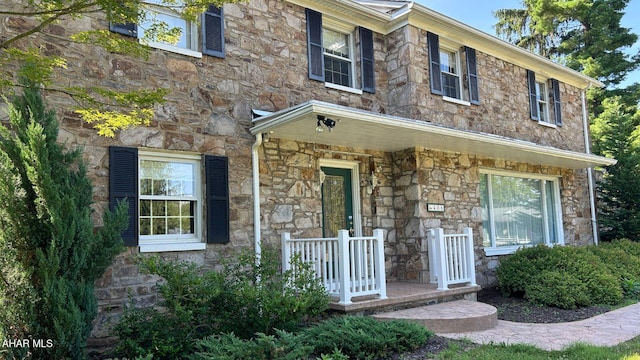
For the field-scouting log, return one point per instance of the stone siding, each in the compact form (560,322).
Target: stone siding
(208,111)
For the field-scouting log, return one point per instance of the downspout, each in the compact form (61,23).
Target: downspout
(255,163)
(592,200)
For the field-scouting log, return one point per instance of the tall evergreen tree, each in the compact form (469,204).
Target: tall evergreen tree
(50,253)
(616,134)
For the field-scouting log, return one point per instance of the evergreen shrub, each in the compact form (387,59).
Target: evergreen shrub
(50,253)
(197,303)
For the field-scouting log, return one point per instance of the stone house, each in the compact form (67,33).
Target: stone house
(304,117)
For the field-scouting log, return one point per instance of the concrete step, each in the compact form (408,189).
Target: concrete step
(449,317)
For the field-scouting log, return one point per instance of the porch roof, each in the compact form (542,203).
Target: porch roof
(360,129)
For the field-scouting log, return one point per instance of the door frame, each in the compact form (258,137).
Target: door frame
(354,166)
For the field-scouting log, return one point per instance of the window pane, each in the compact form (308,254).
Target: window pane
(552,222)
(337,71)
(166,22)
(335,43)
(484,202)
(517,211)
(448,61)
(451,85)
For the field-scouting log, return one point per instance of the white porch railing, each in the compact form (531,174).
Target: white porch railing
(451,258)
(348,266)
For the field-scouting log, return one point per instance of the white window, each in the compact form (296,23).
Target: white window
(450,70)
(542,96)
(170,202)
(519,210)
(338,58)
(166,18)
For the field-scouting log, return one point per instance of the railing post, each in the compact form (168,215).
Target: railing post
(380,270)
(286,251)
(433,259)
(343,267)
(471,263)
(441,254)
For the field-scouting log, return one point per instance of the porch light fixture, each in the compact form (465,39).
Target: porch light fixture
(329,123)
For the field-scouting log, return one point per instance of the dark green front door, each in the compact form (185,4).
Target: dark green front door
(337,201)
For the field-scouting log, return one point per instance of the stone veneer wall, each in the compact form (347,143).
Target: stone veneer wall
(209,111)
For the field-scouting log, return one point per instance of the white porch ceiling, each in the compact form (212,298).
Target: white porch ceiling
(361,129)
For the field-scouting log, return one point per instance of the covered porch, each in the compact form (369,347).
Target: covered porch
(399,154)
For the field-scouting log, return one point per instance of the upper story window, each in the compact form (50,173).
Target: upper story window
(450,70)
(172,207)
(543,101)
(187,38)
(519,210)
(332,55)
(446,73)
(545,105)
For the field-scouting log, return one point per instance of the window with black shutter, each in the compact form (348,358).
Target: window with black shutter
(557,104)
(213,32)
(434,63)
(314,45)
(217,199)
(123,186)
(533,96)
(367,60)
(472,75)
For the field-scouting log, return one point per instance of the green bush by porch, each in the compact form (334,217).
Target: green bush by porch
(570,277)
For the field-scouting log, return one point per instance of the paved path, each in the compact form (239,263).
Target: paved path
(607,329)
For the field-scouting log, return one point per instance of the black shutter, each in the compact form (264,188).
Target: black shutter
(533,97)
(557,104)
(472,75)
(314,45)
(367,61)
(433,44)
(213,32)
(123,186)
(128,29)
(217,193)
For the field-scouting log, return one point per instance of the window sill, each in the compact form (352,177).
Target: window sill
(456,101)
(503,250)
(183,246)
(547,124)
(343,88)
(175,49)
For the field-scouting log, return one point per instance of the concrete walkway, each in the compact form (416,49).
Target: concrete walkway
(608,329)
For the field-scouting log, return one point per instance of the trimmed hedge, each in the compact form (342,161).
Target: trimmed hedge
(569,277)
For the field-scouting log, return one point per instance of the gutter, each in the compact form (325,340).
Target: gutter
(255,162)
(587,145)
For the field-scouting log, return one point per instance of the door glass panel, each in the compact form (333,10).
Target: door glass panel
(334,205)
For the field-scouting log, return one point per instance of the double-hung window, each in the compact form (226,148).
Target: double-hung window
(170,199)
(164,28)
(338,62)
(446,73)
(543,96)
(519,210)
(332,54)
(176,201)
(450,70)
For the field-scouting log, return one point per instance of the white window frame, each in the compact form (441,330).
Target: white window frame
(190,30)
(505,250)
(458,75)
(347,30)
(543,102)
(175,242)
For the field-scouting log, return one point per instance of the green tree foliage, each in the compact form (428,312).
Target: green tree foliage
(108,109)
(616,134)
(585,35)
(50,254)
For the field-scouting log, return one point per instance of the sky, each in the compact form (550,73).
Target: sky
(478,14)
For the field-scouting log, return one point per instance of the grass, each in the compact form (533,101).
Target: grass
(629,350)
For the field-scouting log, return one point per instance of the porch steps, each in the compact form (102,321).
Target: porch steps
(449,317)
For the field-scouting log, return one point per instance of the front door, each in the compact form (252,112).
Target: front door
(337,202)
